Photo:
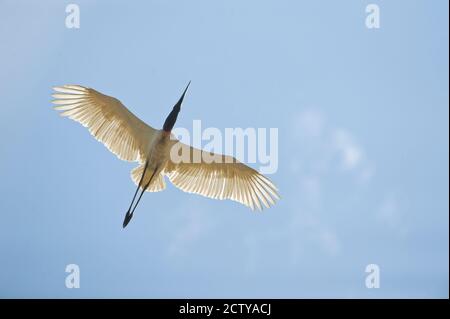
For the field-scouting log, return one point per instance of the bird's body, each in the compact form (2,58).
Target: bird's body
(160,154)
(159,151)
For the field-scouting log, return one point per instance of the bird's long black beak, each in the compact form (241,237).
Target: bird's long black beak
(172,118)
(184,93)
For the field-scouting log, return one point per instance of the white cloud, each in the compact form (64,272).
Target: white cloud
(323,151)
(320,143)
(350,153)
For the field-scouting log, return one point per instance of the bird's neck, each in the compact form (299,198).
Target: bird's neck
(171,119)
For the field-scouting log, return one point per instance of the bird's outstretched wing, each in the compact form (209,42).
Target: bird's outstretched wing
(219,177)
(108,120)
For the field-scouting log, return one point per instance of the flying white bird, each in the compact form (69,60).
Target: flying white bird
(110,122)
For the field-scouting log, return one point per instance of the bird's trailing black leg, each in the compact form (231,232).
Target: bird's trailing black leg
(143,190)
(129,215)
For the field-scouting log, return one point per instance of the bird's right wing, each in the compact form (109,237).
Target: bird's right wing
(219,177)
(107,119)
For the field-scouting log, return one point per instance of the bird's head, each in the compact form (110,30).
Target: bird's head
(172,118)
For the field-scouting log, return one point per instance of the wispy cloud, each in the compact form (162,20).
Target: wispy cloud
(323,151)
(349,152)
(321,143)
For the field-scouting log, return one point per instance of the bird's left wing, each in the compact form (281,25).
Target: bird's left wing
(219,177)
(107,119)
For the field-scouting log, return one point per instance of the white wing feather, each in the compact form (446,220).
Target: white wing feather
(107,119)
(224,178)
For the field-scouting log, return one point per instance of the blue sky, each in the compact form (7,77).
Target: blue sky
(363,149)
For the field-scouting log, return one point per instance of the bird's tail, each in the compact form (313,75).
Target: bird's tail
(157,184)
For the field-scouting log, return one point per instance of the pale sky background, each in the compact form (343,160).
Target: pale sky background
(363,149)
